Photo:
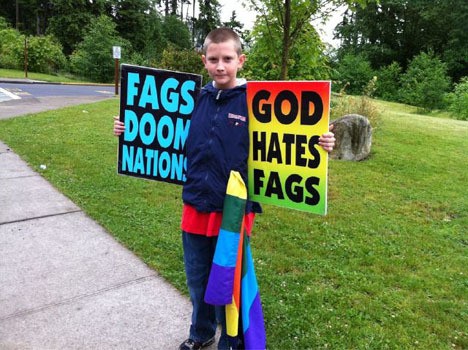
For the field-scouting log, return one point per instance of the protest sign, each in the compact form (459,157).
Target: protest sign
(286,165)
(156,107)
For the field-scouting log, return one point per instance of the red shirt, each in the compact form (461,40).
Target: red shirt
(208,224)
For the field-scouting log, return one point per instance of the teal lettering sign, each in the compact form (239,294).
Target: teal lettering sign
(156,107)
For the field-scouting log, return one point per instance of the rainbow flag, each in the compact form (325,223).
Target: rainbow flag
(221,280)
(232,280)
(251,305)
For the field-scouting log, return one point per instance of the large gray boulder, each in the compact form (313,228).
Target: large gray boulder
(353,134)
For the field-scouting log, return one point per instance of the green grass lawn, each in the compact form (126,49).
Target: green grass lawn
(385,269)
(59,78)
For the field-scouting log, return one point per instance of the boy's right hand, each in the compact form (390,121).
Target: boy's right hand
(119,126)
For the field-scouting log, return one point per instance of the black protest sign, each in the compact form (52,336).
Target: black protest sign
(156,107)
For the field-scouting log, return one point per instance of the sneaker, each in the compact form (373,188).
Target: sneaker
(191,344)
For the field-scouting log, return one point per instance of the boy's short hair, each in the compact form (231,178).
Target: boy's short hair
(221,35)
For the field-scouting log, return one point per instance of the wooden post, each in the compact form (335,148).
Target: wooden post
(116,77)
(25,56)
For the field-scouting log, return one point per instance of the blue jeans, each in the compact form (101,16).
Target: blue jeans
(198,258)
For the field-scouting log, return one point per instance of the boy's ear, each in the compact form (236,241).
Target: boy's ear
(203,58)
(241,60)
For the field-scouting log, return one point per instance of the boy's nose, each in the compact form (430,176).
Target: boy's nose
(220,66)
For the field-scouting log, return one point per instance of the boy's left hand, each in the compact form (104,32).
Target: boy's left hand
(327,140)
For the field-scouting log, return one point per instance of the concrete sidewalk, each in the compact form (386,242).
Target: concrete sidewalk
(65,283)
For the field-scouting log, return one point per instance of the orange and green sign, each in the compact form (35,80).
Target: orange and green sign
(286,166)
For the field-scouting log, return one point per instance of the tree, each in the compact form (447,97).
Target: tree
(8,12)
(155,39)
(234,24)
(69,19)
(182,9)
(11,48)
(208,19)
(397,30)
(182,61)
(132,21)
(458,100)
(388,85)
(28,16)
(171,7)
(174,4)
(425,82)
(3,23)
(165,6)
(353,74)
(176,32)
(44,52)
(284,26)
(93,56)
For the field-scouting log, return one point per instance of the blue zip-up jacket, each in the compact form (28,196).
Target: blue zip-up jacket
(218,142)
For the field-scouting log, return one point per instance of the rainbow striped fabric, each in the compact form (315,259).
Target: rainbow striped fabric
(232,280)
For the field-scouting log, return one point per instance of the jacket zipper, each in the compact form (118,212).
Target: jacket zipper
(215,117)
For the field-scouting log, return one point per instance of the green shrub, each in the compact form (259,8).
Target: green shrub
(176,32)
(458,100)
(362,105)
(45,55)
(93,57)
(181,60)
(155,40)
(353,73)
(11,49)
(3,23)
(137,58)
(387,85)
(425,82)
(44,52)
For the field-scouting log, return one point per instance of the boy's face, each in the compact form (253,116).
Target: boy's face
(222,62)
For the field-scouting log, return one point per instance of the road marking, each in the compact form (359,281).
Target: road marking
(19,92)
(105,92)
(6,95)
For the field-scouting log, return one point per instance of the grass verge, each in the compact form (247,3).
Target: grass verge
(59,78)
(385,269)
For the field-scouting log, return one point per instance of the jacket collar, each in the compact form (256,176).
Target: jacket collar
(219,94)
(239,81)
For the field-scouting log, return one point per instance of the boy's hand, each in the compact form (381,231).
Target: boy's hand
(119,126)
(327,140)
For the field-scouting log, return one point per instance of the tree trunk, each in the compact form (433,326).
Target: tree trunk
(17,15)
(193,22)
(286,39)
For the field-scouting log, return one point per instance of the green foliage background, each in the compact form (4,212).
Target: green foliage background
(417,49)
(92,58)
(425,82)
(44,53)
(458,100)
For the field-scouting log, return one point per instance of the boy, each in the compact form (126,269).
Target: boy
(218,142)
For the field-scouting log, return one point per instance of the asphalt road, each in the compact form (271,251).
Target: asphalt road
(24,97)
